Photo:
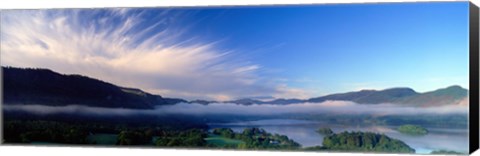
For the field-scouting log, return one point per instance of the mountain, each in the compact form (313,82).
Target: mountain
(369,96)
(445,96)
(285,101)
(406,96)
(46,87)
(246,101)
(203,102)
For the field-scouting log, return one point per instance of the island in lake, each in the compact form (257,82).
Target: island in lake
(413,130)
(325,131)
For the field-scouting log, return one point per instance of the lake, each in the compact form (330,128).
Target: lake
(303,132)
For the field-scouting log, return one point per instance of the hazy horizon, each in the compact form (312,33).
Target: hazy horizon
(327,107)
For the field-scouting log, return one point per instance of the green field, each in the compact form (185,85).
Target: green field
(102,139)
(221,141)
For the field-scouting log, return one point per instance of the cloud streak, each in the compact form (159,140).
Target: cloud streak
(130,48)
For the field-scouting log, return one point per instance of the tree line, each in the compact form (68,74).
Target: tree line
(257,138)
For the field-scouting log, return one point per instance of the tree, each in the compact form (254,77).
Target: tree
(365,141)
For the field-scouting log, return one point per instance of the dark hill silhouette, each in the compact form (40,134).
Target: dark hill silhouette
(46,87)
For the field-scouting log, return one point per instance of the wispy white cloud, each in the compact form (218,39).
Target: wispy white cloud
(123,47)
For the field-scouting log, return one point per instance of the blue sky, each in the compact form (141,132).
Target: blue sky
(250,51)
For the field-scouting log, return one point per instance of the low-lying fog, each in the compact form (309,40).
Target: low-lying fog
(328,107)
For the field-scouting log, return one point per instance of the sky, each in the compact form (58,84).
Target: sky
(225,53)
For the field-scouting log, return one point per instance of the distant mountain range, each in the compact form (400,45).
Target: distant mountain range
(450,95)
(406,96)
(46,87)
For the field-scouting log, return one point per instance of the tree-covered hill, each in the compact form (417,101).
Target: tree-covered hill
(365,141)
(46,87)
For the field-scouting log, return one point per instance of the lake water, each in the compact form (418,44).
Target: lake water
(304,133)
